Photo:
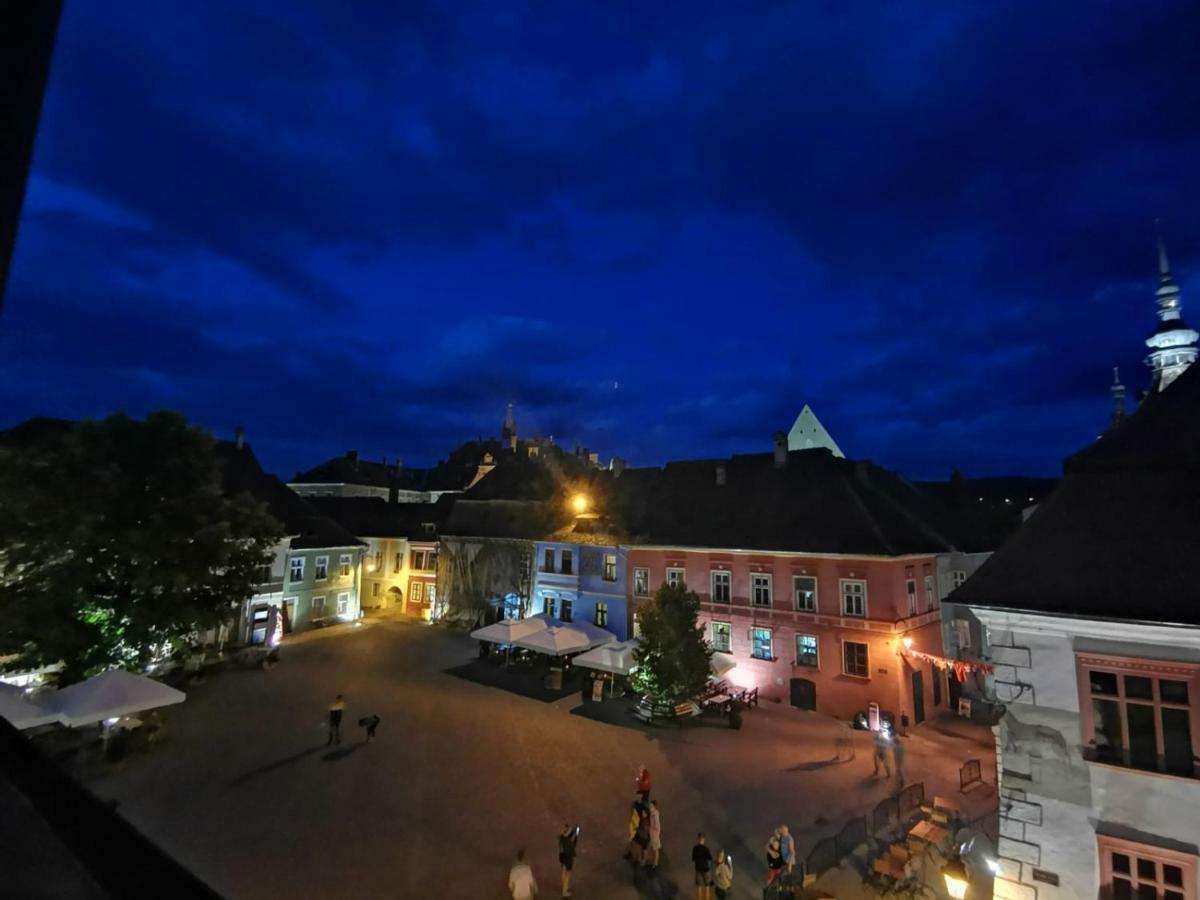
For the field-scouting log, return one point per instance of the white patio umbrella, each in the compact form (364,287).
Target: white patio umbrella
(507,631)
(110,695)
(616,658)
(721,663)
(23,711)
(555,640)
(595,634)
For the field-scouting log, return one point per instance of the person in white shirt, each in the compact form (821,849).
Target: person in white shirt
(521,883)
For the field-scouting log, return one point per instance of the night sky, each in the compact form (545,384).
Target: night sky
(659,231)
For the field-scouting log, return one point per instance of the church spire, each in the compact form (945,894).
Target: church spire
(1173,343)
(1118,397)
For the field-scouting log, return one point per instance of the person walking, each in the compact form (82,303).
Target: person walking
(370,723)
(702,863)
(882,751)
(774,860)
(641,839)
(787,849)
(654,826)
(643,784)
(567,842)
(898,759)
(521,883)
(723,876)
(336,708)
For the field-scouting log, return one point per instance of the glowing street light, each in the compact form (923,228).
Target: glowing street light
(580,503)
(907,642)
(955,874)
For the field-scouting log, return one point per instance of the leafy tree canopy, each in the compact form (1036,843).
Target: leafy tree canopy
(116,543)
(672,656)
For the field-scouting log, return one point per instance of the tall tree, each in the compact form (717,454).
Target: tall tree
(117,543)
(672,655)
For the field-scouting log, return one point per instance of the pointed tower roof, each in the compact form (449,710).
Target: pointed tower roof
(808,433)
(1118,398)
(1173,343)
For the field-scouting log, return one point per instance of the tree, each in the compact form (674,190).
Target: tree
(672,656)
(117,544)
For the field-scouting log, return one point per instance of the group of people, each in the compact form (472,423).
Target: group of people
(336,710)
(781,854)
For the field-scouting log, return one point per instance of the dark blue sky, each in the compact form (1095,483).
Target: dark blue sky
(658,229)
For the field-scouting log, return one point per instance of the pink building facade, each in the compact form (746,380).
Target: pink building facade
(817,631)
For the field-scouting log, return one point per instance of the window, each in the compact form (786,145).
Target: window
(854,597)
(399,563)
(431,593)
(854,659)
(431,561)
(318,607)
(1129,869)
(930,593)
(321,569)
(962,633)
(676,578)
(375,586)
(610,567)
(417,559)
(343,604)
(804,593)
(429,527)
(379,561)
(1138,713)
(567,609)
(721,634)
(958,576)
(601,615)
(550,605)
(296,567)
(720,587)
(760,589)
(641,582)
(344,565)
(910,587)
(760,643)
(806,650)
(264,574)
(568,562)
(548,560)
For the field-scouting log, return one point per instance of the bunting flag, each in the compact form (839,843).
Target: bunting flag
(960,667)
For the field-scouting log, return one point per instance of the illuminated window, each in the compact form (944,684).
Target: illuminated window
(760,589)
(806,650)
(321,569)
(721,634)
(344,565)
(343,604)
(720,587)
(602,615)
(641,582)
(1129,869)
(854,597)
(550,606)
(676,578)
(610,567)
(760,643)
(804,593)
(854,659)
(431,592)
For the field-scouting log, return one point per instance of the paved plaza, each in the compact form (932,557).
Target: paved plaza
(246,793)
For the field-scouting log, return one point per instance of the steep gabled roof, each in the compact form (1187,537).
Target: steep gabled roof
(523,519)
(375,517)
(1118,538)
(350,469)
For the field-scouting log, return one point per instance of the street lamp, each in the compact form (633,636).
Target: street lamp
(907,642)
(580,503)
(955,874)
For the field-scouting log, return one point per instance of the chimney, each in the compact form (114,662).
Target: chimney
(352,455)
(720,474)
(781,450)
(239,436)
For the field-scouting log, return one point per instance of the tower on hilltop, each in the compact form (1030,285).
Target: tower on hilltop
(508,430)
(1173,343)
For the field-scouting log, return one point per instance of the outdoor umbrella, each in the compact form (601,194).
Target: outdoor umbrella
(110,695)
(555,640)
(21,711)
(721,663)
(595,634)
(615,658)
(507,631)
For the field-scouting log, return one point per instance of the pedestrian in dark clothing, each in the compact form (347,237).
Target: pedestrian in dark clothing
(370,723)
(567,841)
(702,862)
(643,784)
(336,708)
(774,860)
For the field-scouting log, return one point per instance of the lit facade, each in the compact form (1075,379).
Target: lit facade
(582,583)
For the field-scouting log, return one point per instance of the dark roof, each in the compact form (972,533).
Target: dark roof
(523,519)
(375,517)
(350,469)
(986,511)
(1117,539)
(60,840)
(817,503)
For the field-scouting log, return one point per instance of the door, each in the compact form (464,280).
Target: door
(260,617)
(954,690)
(804,694)
(918,699)
(936,675)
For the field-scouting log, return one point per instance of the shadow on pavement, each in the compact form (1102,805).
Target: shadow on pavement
(342,752)
(815,765)
(655,884)
(272,766)
(522,681)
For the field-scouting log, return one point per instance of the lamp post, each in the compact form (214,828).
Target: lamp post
(579,503)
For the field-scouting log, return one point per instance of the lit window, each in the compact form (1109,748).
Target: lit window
(318,607)
(548,560)
(854,597)
(610,567)
(930,593)
(720,587)
(1130,869)
(854,659)
(641,582)
(344,565)
(431,592)
(550,605)
(910,586)
(676,578)
(343,604)
(568,562)
(804,593)
(760,643)
(296,568)
(806,650)
(321,569)
(602,615)
(721,634)
(567,609)
(760,589)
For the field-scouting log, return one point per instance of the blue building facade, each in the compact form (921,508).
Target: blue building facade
(582,583)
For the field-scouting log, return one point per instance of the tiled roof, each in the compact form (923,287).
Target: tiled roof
(1118,538)
(375,517)
(353,470)
(524,519)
